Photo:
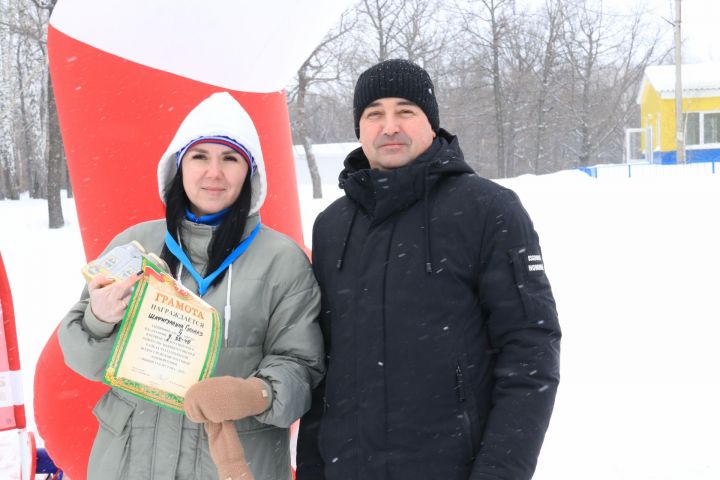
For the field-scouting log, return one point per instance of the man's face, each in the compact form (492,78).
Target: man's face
(394,132)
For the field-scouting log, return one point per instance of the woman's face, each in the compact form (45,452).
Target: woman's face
(213,177)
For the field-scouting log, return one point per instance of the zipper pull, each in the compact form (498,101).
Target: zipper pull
(460,383)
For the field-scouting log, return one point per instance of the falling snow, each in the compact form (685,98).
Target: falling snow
(636,291)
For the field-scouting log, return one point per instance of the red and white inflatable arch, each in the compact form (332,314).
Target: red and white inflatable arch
(12,408)
(125,74)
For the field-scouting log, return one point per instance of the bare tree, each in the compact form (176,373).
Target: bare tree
(324,65)
(53,141)
(8,101)
(485,24)
(35,161)
(421,38)
(605,58)
(31,69)
(520,56)
(552,20)
(385,23)
(56,165)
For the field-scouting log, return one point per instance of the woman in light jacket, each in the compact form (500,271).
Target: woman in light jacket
(212,180)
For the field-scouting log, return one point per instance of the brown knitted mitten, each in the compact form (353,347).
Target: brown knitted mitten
(218,399)
(227,452)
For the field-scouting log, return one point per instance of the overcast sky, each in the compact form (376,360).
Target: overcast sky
(699,27)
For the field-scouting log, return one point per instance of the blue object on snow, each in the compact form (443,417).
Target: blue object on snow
(46,465)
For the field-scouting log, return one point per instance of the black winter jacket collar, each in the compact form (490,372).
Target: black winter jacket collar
(382,193)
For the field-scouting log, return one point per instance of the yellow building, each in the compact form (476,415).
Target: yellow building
(701,112)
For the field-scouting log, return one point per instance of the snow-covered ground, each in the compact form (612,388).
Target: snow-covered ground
(634,269)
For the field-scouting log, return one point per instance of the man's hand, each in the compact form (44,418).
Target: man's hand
(109,298)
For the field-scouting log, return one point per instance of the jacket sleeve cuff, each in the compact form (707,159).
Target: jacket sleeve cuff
(271,394)
(96,327)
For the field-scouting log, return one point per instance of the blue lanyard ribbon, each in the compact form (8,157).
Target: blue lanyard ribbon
(213,219)
(204,283)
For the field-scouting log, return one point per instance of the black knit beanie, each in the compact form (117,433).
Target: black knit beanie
(396,78)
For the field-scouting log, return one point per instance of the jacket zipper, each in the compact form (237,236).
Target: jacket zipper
(460,382)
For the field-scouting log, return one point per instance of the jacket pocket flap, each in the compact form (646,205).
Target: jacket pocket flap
(113,412)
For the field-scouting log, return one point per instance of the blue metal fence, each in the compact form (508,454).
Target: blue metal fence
(639,170)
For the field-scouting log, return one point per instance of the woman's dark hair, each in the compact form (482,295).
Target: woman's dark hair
(226,236)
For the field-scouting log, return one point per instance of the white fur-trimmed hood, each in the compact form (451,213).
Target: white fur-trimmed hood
(219,114)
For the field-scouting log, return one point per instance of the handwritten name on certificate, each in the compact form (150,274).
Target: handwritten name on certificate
(168,340)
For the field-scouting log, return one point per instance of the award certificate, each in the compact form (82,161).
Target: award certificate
(168,340)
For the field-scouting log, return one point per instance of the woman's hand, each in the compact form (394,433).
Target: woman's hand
(109,298)
(219,399)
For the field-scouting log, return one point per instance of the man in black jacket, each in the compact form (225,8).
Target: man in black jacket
(441,331)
